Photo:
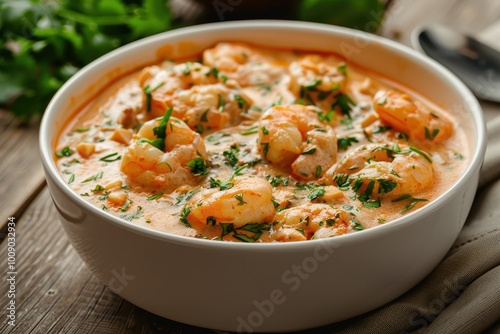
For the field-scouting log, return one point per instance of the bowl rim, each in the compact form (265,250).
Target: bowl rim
(473,107)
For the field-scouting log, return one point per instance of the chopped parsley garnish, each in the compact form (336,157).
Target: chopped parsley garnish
(211,220)
(382,100)
(155,196)
(187,69)
(318,171)
(344,142)
(402,198)
(357,225)
(276,181)
(71,163)
(345,104)
(431,135)
(241,102)
(416,150)
(342,181)
(148,90)
(71,176)
(231,155)
(111,157)
(265,148)
(381,129)
(198,166)
(264,130)
(159,143)
(64,152)
(183,217)
(186,196)
(239,198)
(93,177)
(372,204)
(226,184)
(215,138)
(227,228)
(214,71)
(160,132)
(326,117)
(237,171)
(309,151)
(312,86)
(223,185)
(98,188)
(343,69)
(356,185)
(138,214)
(403,136)
(389,151)
(222,103)
(204,116)
(367,194)
(411,205)
(386,186)
(125,205)
(265,87)
(249,131)
(317,192)
(255,228)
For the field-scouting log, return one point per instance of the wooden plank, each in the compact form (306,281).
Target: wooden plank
(21,174)
(56,293)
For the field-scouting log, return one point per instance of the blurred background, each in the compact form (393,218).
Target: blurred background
(44,42)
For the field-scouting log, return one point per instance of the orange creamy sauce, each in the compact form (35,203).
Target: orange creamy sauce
(256,145)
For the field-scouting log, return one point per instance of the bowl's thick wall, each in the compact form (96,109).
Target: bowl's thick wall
(265,287)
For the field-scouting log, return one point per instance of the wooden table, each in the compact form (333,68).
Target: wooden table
(55,292)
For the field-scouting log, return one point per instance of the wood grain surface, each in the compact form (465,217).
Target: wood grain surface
(55,292)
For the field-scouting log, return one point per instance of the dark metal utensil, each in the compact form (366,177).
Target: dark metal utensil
(475,63)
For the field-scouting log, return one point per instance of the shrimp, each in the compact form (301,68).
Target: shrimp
(149,166)
(390,170)
(317,73)
(195,93)
(244,64)
(160,83)
(294,136)
(209,106)
(248,200)
(125,107)
(411,117)
(311,221)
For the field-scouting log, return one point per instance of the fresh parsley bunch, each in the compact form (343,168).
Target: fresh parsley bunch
(366,15)
(44,42)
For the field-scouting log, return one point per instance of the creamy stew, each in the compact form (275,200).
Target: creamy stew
(256,145)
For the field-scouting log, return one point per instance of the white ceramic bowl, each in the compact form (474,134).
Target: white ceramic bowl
(265,287)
